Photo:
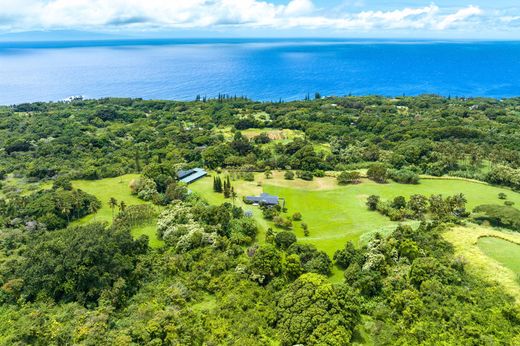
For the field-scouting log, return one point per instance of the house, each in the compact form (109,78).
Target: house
(191,175)
(264,198)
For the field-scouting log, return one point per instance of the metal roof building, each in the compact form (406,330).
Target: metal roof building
(191,175)
(264,198)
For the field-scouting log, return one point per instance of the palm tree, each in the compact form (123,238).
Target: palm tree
(92,209)
(122,206)
(112,204)
(234,195)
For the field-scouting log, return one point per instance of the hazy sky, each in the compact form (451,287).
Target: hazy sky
(335,18)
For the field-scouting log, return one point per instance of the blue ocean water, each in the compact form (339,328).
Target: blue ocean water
(259,69)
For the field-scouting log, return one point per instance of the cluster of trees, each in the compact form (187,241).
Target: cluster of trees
(439,208)
(225,188)
(417,291)
(92,139)
(47,209)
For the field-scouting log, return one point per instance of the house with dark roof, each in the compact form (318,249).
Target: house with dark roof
(191,175)
(264,198)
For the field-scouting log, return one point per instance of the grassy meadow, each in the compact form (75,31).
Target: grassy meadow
(503,251)
(489,253)
(118,188)
(336,214)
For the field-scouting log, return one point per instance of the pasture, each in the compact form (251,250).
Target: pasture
(503,251)
(489,253)
(336,214)
(118,188)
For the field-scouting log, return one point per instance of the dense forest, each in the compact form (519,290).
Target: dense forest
(214,282)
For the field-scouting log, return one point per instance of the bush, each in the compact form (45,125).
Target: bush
(378,173)
(404,176)
(319,173)
(297,216)
(372,202)
(346,178)
(305,175)
(289,175)
(282,222)
(249,176)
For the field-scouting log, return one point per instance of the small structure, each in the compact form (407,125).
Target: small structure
(264,198)
(191,175)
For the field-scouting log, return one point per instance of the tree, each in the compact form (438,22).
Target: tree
(373,202)
(297,216)
(122,206)
(305,228)
(234,195)
(268,174)
(348,255)
(378,173)
(288,175)
(399,202)
(227,187)
(418,204)
(266,264)
(112,203)
(314,312)
(292,267)
(284,239)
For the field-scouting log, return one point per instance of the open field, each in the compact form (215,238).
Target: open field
(487,256)
(503,251)
(336,214)
(118,188)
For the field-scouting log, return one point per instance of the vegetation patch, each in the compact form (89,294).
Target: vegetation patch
(118,189)
(503,251)
(466,241)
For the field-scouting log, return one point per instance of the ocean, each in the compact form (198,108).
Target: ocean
(263,69)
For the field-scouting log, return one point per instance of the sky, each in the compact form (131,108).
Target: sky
(476,19)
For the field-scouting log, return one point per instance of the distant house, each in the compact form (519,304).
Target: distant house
(264,198)
(191,175)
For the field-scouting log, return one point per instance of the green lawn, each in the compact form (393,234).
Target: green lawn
(337,214)
(503,251)
(118,188)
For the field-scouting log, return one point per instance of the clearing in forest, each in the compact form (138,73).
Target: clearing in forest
(336,214)
(118,188)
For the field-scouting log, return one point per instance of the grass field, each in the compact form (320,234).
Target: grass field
(473,244)
(336,214)
(503,251)
(118,188)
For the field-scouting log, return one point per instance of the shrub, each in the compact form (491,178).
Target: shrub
(319,173)
(297,216)
(345,178)
(378,173)
(372,202)
(404,176)
(305,175)
(289,175)
(282,222)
